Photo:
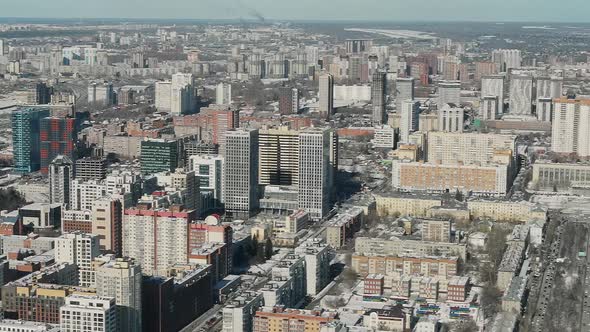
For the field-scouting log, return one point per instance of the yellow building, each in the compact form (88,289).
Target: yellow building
(279,319)
(426,266)
(415,206)
(506,211)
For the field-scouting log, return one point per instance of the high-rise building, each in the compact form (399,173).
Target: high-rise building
(467,148)
(292,266)
(194,148)
(544,109)
(484,69)
(83,193)
(379,97)
(241,171)
(278,151)
(216,121)
(3,47)
(26,138)
(159,155)
(184,181)
(420,70)
(223,94)
(507,59)
(58,137)
(163,97)
(489,108)
(521,95)
(358,45)
(121,279)
(451,69)
(138,60)
(451,118)
(83,313)
(79,249)
(410,110)
(209,172)
(238,314)
(43,93)
(91,168)
(317,265)
(173,303)
(61,173)
(288,101)
(316,171)
(106,224)
(326,95)
(298,66)
(556,87)
(543,87)
(404,90)
(182,94)
(256,66)
(449,93)
(156,239)
(201,233)
(493,86)
(570,131)
(355,68)
(101,93)
(547,89)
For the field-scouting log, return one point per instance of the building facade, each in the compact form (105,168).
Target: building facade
(26,138)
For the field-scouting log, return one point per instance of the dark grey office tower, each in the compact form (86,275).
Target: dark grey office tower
(378,97)
(43,93)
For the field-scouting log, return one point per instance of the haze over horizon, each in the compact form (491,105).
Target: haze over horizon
(378,10)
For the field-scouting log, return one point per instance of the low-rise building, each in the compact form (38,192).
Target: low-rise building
(41,215)
(277,292)
(84,313)
(513,298)
(279,319)
(238,314)
(405,205)
(519,211)
(510,264)
(373,284)
(397,246)
(343,226)
(458,289)
(14,325)
(560,176)
(436,230)
(293,223)
(387,319)
(215,254)
(428,266)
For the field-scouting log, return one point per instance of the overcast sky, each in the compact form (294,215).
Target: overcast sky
(383,10)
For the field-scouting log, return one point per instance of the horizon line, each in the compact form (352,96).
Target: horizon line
(279,20)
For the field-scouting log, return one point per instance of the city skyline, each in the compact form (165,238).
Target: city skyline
(347,10)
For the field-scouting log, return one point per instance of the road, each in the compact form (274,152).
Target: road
(199,322)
